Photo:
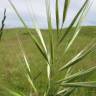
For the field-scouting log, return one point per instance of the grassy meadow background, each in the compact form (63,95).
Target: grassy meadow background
(12,63)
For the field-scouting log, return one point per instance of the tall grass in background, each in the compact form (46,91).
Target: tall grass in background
(71,81)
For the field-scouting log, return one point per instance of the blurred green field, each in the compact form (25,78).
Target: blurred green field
(12,63)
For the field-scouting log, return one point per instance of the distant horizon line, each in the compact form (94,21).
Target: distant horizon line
(45,28)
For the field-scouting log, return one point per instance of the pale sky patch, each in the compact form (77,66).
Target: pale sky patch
(38,12)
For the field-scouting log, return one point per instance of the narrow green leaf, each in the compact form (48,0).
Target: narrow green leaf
(51,44)
(78,26)
(31,83)
(32,36)
(78,75)
(65,10)
(77,30)
(42,52)
(37,76)
(27,65)
(57,16)
(68,72)
(41,38)
(48,12)
(49,79)
(13,93)
(81,55)
(37,29)
(48,71)
(69,92)
(21,19)
(50,57)
(45,54)
(24,55)
(45,93)
(73,22)
(50,31)
(3,21)
(49,19)
(65,91)
(91,84)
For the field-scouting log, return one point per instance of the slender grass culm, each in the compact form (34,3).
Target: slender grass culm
(71,81)
(2,26)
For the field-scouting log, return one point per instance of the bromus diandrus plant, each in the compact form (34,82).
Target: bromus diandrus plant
(71,80)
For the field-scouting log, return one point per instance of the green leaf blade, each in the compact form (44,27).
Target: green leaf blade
(81,84)
(73,22)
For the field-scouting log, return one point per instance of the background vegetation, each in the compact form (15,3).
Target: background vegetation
(12,63)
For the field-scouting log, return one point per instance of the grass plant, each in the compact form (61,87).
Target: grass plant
(70,79)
